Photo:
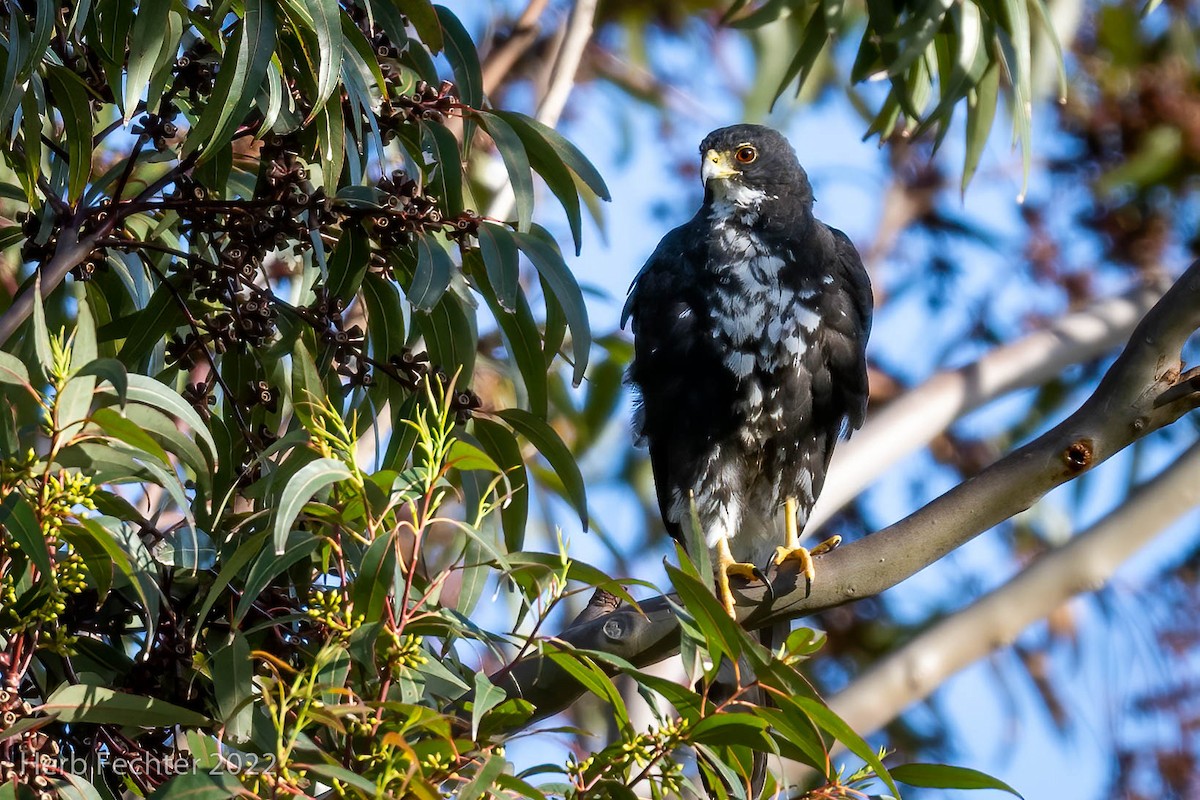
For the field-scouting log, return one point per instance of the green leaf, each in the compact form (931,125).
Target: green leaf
(149,27)
(146,390)
(554,172)
(162,70)
(463,57)
(500,443)
(501,259)
(830,722)
(13,371)
(230,568)
(433,273)
(342,774)
(331,142)
(242,73)
(113,423)
(200,786)
(446,182)
(269,565)
(450,335)
(73,101)
(805,59)
(570,155)
(722,633)
(233,684)
(109,369)
(943,776)
(487,696)
(424,20)
(310,479)
(348,262)
(551,446)
(516,163)
(466,456)
(549,264)
(165,431)
(589,675)
(73,787)
(981,113)
(18,519)
(374,579)
(728,729)
(1016,50)
(148,327)
(101,532)
(97,559)
(83,703)
(519,331)
(323,15)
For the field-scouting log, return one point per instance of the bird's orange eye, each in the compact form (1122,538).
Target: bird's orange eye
(745,154)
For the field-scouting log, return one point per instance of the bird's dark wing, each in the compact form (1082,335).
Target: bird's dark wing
(682,404)
(848,329)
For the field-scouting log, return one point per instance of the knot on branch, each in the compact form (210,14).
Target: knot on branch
(1078,456)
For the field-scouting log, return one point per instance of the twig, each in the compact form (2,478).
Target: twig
(500,61)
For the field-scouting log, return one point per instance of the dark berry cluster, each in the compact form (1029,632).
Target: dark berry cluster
(195,71)
(424,102)
(25,758)
(200,397)
(405,210)
(158,128)
(411,369)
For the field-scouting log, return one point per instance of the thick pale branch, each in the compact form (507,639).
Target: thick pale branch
(914,419)
(1082,565)
(1124,407)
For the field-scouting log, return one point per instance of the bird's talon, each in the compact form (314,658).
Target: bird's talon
(804,556)
(743,570)
(824,547)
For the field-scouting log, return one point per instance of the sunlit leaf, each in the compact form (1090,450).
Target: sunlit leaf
(463,57)
(84,703)
(943,776)
(150,27)
(311,478)
(550,266)
(243,71)
(551,446)
(73,101)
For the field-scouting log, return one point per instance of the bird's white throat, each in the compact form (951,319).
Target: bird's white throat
(733,197)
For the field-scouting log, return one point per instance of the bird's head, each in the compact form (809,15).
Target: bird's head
(748,164)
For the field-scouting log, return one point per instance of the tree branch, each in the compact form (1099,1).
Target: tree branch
(914,419)
(500,61)
(562,79)
(1124,407)
(1083,564)
(69,253)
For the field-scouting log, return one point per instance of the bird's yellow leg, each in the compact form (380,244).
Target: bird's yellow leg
(726,566)
(792,551)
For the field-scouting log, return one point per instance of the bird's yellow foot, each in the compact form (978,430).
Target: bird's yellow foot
(724,570)
(805,557)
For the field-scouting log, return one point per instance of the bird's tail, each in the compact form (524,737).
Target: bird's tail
(742,683)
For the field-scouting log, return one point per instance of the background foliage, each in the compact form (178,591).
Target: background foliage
(304,378)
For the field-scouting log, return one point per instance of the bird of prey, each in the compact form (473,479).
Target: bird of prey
(750,325)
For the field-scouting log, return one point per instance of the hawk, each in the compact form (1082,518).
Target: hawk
(750,326)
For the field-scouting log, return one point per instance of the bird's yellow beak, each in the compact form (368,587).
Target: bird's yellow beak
(716,166)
